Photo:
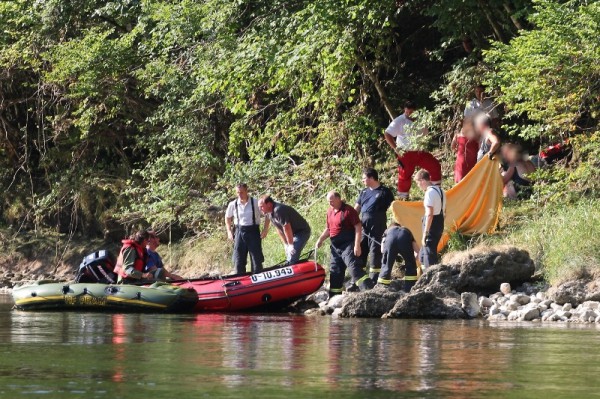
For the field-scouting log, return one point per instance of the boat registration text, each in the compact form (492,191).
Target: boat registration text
(272,275)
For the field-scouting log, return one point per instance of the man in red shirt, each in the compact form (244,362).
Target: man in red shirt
(345,231)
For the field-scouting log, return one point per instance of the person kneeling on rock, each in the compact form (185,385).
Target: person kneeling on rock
(398,240)
(345,230)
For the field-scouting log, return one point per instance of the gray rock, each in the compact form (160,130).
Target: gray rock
(567,307)
(502,300)
(555,306)
(497,317)
(318,297)
(505,288)
(480,270)
(514,315)
(373,303)
(495,309)
(541,295)
(337,313)
(529,314)
(336,301)
(512,305)
(564,313)
(326,309)
(547,302)
(546,314)
(576,291)
(314,312)
(587,315)
(495,296)
(485,302)
(469,304)
(591,304)
(523,299)
(597,319)
(425,305)
(542,307)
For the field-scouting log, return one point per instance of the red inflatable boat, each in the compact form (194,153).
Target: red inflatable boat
(246,291)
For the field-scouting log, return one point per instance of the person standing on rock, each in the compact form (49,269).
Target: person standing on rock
(292,228)
(404,139)
(244,214)
(345,231)
(433,221)
(398,240)
(373,203)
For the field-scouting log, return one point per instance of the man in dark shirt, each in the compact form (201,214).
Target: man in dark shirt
(398,240)
(292,228)
(345,231)
(373,203)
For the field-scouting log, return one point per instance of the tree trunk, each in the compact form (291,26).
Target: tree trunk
(511,13)
(379,87)
(493,24)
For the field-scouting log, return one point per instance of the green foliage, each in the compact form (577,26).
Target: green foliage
(551,73)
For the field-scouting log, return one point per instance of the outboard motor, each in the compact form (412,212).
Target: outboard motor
(97,267)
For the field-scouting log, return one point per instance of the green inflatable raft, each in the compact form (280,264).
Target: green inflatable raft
(52,295)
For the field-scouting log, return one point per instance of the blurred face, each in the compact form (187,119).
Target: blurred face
(409,111)
(334,201)
(479,92)
(242,192)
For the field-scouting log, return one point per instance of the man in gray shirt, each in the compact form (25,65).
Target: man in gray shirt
(292,228)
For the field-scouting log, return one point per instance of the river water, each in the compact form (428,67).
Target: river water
(100,355)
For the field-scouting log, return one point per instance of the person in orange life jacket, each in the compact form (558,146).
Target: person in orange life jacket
(154,264)
(489,143)
(244,213)
(373,203)
(433,221)
(399,241)
(132,259)
(345,231)
(401,136)
(292,228)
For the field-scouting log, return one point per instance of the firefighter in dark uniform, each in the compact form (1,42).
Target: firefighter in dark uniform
(244,213)
(345,231)
(433,221)
(399,241)
(373,203)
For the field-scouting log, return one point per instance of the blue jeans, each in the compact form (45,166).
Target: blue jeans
(300,240)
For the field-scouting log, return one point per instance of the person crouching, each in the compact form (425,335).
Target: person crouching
(399,241)
(345,231)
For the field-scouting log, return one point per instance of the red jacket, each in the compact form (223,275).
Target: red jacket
(140,259)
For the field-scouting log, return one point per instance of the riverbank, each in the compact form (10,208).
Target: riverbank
(469,285)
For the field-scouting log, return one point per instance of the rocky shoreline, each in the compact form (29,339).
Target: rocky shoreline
(469,285)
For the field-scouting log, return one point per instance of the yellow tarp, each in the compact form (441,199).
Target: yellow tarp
(473,205)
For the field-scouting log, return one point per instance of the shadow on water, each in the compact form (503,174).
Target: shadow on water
(99,355)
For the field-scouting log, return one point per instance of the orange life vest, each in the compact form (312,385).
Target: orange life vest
(140,260)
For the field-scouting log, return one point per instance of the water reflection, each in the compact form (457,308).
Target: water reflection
(141,355)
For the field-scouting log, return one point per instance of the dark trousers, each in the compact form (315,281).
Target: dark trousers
(428,256)
(389,259)
(247,240)
(342,257)
(373,228)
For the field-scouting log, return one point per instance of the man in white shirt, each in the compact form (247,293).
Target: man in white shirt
(244,214)
(483,104)
(433,221)
(402,136)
